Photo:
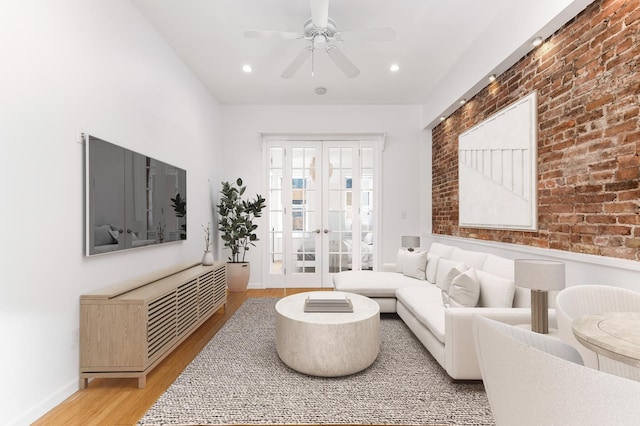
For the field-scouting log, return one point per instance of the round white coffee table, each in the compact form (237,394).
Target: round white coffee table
(327,344)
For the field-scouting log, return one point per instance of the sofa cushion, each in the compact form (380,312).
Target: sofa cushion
(373,284)
(464,291)
(415,264)
(425,304)
(440,249)
(432,267)
(432,316)
(495,291)
(499,266)
(447,270)
(473,259)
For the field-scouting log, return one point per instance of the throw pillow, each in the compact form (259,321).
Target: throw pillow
(495,291)
(445,285)
(101,235)
(114,234)
(447,270)
(464,290)
(415,264)
(432,267)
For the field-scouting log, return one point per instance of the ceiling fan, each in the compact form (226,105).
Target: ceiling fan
(321,31)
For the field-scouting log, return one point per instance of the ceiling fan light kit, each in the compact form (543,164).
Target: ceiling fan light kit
(320,30)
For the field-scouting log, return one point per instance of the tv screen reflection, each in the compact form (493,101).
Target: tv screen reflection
(132,200)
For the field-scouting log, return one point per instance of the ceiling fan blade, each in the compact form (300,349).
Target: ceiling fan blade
(320,13)
(368,34)
(273,34)
(296,63)
(342,62)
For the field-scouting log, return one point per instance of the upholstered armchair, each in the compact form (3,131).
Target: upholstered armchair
(574,302)
(535,379)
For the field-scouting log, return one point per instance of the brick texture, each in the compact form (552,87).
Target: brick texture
(587,76)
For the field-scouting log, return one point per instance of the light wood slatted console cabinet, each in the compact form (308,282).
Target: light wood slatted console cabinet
(129,328)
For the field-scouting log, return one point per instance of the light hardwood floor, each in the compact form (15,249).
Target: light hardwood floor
(120,402)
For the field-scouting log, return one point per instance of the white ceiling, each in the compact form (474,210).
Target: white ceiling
(431,36)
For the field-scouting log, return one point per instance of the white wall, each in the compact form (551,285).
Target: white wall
(97,64)
(494,52)
(403,182)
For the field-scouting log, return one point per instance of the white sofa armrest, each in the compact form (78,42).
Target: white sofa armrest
(460,352)
(388,267)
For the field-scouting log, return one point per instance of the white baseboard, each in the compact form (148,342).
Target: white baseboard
(256,286)
(46,405)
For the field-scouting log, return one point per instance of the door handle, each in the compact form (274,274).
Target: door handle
(317,231)
(326,231)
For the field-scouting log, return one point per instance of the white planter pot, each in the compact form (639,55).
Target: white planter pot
(238,276)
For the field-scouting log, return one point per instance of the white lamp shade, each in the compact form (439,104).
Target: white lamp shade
(410,241)
(536,274)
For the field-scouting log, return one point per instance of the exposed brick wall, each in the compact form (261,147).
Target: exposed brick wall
(588,80)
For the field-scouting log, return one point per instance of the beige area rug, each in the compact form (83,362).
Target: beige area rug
(238,378)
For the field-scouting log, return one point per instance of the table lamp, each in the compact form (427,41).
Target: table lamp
(540,276)
(409,242)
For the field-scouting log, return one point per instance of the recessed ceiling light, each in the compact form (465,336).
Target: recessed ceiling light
(321,90)
(536,41)
(492,78)
(394,67)
(463,101)
(247,68)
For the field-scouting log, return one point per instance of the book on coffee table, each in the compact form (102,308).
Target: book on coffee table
(342,304)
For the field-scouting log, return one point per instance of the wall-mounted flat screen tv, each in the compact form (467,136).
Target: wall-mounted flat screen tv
(132,200)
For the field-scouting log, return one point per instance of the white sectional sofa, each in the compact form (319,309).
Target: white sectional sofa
(415,291)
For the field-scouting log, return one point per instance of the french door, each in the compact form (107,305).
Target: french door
(322,210)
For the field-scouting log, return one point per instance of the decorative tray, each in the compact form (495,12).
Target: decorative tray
(328,305)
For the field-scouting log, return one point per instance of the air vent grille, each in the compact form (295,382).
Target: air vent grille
(161,328)
(187,305)
(220,277)
(206,293)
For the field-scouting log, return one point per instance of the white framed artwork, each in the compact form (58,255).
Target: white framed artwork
(497,169)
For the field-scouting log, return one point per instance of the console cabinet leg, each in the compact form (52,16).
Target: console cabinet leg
(142,382)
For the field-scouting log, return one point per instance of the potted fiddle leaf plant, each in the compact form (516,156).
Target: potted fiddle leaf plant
(238,230)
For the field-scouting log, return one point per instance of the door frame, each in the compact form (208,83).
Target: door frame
(375,140)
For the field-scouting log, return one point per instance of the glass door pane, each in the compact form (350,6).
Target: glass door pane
(367,208)
(339,210)
(294,215)
(276,211)
(304,211)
